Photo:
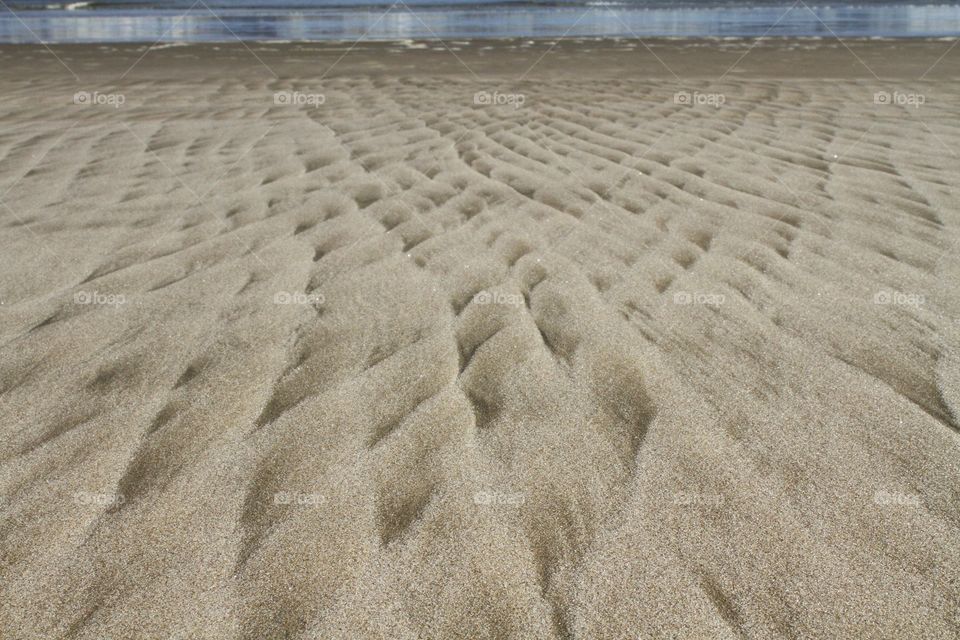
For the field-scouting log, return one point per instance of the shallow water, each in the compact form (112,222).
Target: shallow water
(183,20)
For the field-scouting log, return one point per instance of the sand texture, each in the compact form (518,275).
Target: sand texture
(593,361)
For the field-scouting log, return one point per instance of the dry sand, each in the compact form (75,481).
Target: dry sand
(402,365)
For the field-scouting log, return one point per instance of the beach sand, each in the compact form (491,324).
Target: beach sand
(480,340)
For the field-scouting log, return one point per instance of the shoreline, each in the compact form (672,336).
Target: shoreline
(523,58)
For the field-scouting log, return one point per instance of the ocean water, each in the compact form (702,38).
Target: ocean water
(64,21)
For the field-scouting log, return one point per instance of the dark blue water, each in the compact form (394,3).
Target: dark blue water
(313,20)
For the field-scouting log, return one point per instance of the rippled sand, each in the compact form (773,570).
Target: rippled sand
(628,342)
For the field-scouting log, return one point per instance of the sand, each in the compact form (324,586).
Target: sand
(489,340)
